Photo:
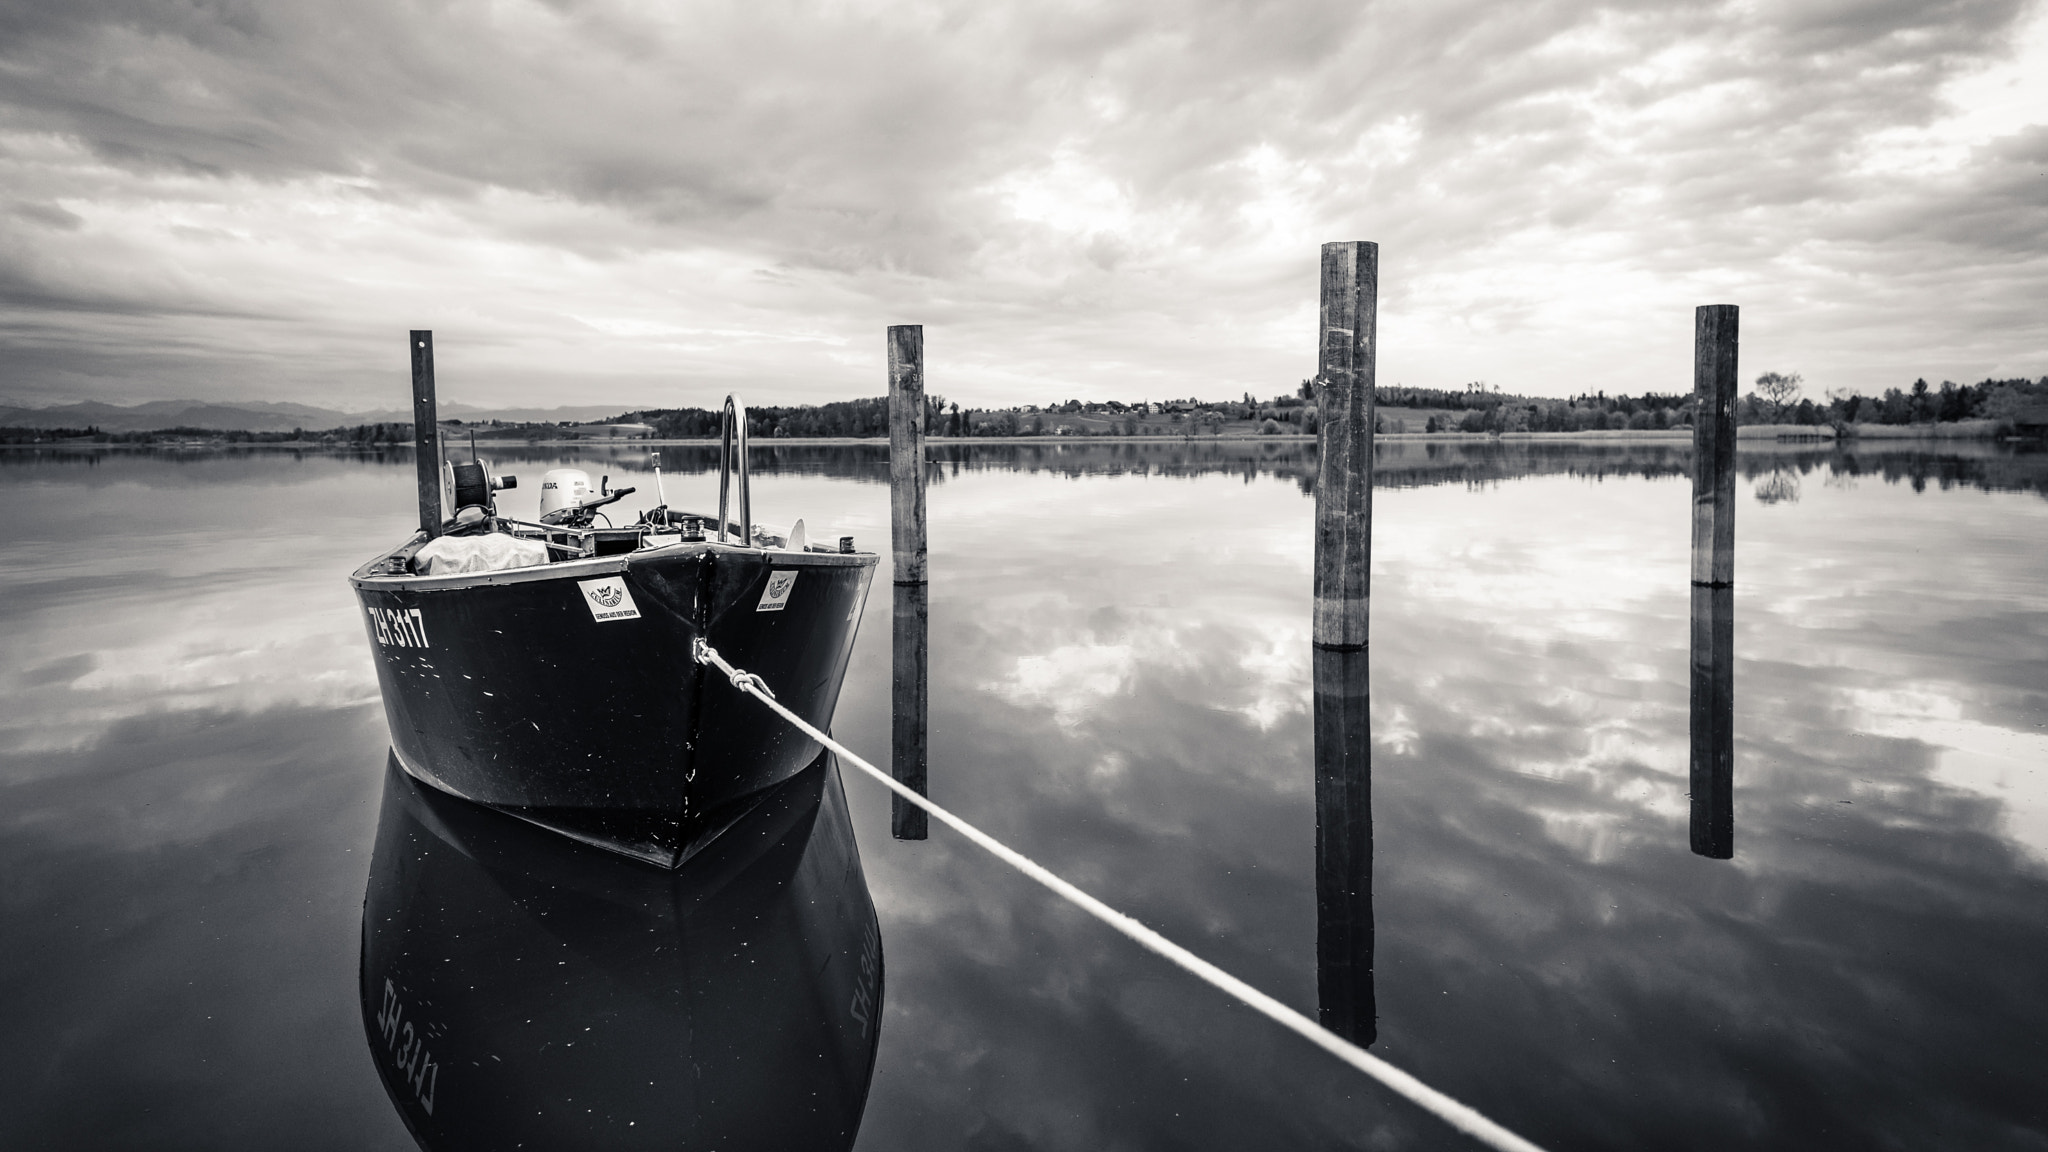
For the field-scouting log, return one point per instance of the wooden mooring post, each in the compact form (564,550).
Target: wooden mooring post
(1344,389)
(1713,445)
(907,744)
(426,432)
(1345,366)
(1345,1002)
(1716,328)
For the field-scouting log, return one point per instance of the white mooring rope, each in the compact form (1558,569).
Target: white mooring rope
(1461,1116)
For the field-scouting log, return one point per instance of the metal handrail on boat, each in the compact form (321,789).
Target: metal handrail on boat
(734,419)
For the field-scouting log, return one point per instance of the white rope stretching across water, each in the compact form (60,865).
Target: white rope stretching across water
(1463,1117)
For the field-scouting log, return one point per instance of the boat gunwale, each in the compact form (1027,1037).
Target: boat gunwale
(588,567)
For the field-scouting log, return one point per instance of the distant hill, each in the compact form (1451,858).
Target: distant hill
(571,414)
(266,416)
(254,417)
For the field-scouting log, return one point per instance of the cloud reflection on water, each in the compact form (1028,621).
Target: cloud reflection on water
(1121,688)
(1549,949)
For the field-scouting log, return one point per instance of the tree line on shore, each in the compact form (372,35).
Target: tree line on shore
(1775,399)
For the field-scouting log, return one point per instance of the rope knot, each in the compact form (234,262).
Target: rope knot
(704,653)
(746,680)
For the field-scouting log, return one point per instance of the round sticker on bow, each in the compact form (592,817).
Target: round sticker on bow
(775,597)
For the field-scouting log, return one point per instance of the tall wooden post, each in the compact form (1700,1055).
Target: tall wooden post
(906,450)
(426,433)
(1713,721)
(1345,1001)
(907,535)
(1714,368)
(1344,378)
(1713,445)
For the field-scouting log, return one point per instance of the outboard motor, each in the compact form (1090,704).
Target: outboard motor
(566,498)
(563,488)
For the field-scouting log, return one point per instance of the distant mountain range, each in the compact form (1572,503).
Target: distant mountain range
(265,416)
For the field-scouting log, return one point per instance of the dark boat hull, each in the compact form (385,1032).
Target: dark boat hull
(567,693)
(519,990)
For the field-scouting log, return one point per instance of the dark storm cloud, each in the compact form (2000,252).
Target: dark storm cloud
(1068,192)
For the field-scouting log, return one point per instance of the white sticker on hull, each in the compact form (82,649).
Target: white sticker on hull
(608,599)
(776,596)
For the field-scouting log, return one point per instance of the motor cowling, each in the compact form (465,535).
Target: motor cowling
(564,488)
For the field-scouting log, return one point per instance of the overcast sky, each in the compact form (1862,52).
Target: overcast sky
(655,202)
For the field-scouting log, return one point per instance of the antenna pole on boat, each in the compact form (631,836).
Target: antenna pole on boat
(426,432)
(907,418)
(1344,391)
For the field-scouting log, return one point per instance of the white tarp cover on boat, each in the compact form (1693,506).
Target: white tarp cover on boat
(494,552)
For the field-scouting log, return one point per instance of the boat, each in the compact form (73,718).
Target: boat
(545,668)
(522,990)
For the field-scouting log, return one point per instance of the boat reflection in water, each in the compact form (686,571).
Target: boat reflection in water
(1344,928)
(520,989)
(1713,722)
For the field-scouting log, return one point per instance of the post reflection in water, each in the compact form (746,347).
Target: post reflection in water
(1713,721)
(909,697)
(1344,929)
(522,990)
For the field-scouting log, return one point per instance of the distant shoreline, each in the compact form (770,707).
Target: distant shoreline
(1753,435)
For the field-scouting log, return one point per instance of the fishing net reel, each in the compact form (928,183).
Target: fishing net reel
(472,490)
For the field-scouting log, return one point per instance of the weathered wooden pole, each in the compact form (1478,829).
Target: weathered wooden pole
(1713,445)
(907,536)
(1716,329)
(906,450)
(1713,721)
(1345,1003)
(426,433)
(1344,379)
(1343,563)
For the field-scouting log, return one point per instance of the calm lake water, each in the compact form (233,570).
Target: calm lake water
(192,761)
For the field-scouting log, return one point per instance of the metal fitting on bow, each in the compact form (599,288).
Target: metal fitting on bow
(704,653)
